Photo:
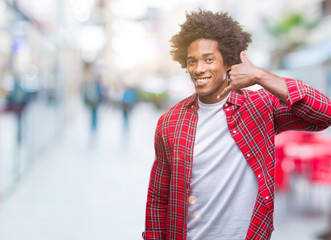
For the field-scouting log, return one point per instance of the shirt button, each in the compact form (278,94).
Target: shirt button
(259,176)
(266,197)
(234,131)
(192,199)
(248,155)
(225,105)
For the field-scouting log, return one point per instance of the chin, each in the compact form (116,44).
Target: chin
(202,93)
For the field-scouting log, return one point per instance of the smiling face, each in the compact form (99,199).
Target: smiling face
(206,68)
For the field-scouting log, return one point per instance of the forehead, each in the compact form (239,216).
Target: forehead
(202,46)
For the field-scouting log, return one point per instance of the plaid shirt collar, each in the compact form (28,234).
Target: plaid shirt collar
(234,98)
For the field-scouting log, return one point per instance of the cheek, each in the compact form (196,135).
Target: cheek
(191,76)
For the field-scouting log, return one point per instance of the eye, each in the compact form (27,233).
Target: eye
(190,62)
(209,59)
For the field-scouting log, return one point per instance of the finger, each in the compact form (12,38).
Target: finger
(224,92)
(243,57)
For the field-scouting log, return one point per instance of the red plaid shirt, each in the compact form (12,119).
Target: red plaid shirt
(254,118)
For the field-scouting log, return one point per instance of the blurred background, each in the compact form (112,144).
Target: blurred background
(83,83)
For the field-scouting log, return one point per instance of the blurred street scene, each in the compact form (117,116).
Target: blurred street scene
(83,83)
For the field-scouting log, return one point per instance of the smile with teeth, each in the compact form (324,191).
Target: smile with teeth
(202,80)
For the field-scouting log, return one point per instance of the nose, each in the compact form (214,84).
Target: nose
(199,68)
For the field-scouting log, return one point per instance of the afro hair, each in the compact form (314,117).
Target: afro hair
(214,26)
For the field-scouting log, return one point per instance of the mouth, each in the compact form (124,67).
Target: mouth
(201,81)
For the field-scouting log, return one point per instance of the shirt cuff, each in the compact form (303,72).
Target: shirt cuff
(296,91)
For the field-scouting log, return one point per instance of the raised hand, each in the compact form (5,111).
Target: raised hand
(241,75)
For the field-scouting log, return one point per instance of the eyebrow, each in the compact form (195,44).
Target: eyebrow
(203,55)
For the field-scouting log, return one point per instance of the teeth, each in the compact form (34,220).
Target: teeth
(202,80)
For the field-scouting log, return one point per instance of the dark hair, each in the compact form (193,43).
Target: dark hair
(215,26)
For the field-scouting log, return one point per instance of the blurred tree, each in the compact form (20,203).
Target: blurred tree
(290,33)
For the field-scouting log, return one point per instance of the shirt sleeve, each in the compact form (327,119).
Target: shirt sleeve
(158,190)
(306,109)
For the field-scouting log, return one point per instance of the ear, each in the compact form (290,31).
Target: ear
(227,67)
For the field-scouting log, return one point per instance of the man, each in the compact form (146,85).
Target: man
(213,174)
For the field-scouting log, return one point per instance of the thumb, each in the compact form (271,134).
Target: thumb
(243,57)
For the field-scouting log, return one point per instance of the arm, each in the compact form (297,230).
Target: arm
(305,109)
(296,105)
(157,197)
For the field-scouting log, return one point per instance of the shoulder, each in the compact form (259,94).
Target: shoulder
(175,112)
(261,93)
(260,97)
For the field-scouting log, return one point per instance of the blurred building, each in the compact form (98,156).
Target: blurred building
(44,46)
(311,62)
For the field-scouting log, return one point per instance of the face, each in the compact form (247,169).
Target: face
(206,68)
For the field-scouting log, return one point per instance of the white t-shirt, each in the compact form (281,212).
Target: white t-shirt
(223,185)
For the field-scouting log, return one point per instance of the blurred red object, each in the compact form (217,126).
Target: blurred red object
(321,170)
(302,153)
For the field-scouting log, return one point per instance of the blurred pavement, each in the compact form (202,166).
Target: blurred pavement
(94,187)
(86,188)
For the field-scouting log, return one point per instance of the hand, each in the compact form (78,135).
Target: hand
(241,75)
